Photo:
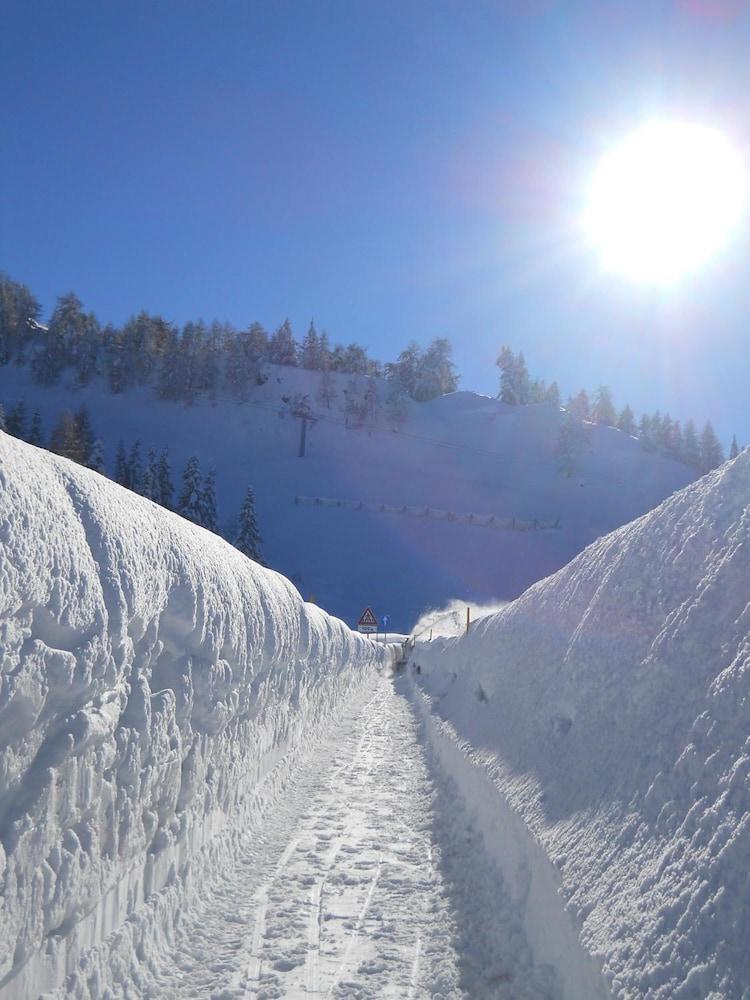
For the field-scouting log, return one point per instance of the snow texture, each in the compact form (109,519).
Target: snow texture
(156,690)
(605,715)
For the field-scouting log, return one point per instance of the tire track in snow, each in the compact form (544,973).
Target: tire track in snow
(342,893)
(255,942)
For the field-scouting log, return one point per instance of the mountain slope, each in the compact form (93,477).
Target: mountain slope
(608,707)
(460,453)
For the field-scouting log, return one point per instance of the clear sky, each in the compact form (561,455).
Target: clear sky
(396,170)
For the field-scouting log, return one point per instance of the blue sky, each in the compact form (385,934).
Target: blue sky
(395,170)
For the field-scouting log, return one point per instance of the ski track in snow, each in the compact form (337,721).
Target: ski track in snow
(345,892)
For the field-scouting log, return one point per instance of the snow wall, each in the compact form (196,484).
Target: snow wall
(155,686)
(605,715)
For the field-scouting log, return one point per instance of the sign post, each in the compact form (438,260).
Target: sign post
(385,619)
(367,621)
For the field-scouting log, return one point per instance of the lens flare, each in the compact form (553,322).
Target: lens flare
(665,201)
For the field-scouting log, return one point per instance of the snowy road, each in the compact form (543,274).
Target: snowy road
(366,881)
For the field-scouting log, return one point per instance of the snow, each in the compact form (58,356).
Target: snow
(598,726)
(461,454)
(158,689)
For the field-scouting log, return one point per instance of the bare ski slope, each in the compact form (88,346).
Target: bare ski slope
(600,726)
(157,690)
(462,453)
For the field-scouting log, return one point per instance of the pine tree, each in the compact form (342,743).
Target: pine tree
(644,433)
(626,421)
(189,503)
(691,448)
(553,395)
(36,434)
(19,311)
(327,388)
(85,431)
(65,438)
(657,430)
(310,356)
(711,452)
(15,421)
(579,406)
(248,539)
(164,481)
(282,347)
(676,442)
(734,449)
(396,404)
(150,485)
(603,410)
(571,443)
(436,372)
(522,380)
(208,514)
(95,458)
(135,467)
(122,467)
(510,390)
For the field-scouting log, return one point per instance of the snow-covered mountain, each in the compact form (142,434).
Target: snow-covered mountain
(607,714)
(156,689)
(413,527)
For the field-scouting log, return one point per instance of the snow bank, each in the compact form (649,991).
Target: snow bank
(153,684)
(609,706)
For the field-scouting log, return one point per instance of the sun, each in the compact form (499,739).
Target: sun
(665,200)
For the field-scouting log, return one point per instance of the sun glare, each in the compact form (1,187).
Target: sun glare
(665,200)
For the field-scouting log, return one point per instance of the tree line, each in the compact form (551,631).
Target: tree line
(655,432)
(73,437)
(198,360)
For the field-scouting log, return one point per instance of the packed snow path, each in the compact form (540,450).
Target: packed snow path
(366,881)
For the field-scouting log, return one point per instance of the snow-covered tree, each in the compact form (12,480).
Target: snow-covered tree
(95,459)
(282,347)
(248,539)
(208,513)
(150,483)
(734,449)
(164,479)
(189,502)
(310,353)
(436,374)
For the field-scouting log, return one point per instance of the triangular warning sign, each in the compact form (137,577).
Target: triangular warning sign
(367,619)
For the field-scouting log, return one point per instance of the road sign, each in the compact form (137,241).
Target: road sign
(367,621)
(385,619)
